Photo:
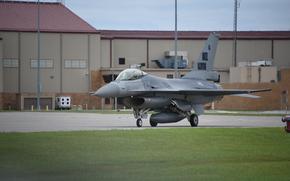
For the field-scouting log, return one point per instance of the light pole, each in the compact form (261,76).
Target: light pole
(38,57)
(175,42)
(234,61)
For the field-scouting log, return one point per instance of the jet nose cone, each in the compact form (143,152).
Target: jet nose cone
(109,90)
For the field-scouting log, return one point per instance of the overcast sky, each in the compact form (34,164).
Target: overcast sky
(192,14)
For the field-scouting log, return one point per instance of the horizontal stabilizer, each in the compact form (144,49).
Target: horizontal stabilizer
(247,96)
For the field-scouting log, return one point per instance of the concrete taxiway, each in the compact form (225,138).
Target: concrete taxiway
(70,121)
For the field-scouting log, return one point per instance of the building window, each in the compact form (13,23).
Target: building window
(107,101)
(205,56)
(121,61)
(169,76)
(201,66)
(75,64)
(42,63)
(109,78)
(10,63)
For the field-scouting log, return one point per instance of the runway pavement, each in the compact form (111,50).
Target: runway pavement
(68,121)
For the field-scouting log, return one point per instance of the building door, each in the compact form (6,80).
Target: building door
(32,102)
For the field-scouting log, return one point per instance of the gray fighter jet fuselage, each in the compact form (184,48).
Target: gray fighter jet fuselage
(172,99)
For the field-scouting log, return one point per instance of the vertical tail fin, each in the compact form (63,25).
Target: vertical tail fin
(202,68)
(206,57)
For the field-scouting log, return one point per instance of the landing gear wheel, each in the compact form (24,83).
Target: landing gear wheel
(153,123)
(193,120)
(139,123)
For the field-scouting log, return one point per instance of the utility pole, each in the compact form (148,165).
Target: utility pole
(38,57)
(234,61)
(175,42)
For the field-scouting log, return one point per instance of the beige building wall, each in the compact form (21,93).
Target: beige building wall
(28,44)
(134,52)
(235,73)
(1,67)
(223,58)
(282,53)
(11,80)
(49,50)
(244,74)
(224,76)
(193,49)
(105,53)
(54,46)
(94,57)
(11,51)
(269,74)
(248,50)
(157,49)
(253,50)
(94,51)
(10,39)
(253,74)
(75,47)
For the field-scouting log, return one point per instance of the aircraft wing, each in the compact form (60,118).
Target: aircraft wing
(203,92)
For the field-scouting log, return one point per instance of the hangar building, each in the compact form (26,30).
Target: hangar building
(76,58)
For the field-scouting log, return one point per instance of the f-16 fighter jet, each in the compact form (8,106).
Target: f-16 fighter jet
(172,99)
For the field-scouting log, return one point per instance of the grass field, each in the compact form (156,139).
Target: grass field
(150,154)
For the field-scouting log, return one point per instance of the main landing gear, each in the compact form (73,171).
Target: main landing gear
(153,123)
(139,123)
(142,113)
(193,120)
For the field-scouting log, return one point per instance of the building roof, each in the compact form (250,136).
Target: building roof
(124,34)
(21,16)
(54,17)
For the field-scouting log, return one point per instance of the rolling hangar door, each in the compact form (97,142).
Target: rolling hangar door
(44,103)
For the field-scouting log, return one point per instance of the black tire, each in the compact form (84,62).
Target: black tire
(139,123)
(193,120)
(153,123)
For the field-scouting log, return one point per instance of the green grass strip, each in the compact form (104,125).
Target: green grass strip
(150,154)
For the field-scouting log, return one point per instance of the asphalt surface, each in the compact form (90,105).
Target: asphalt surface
(66,121)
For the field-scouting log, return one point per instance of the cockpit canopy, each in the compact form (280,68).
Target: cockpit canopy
(130,74)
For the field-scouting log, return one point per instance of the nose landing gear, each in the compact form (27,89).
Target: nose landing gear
(139,122)
(139,114)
